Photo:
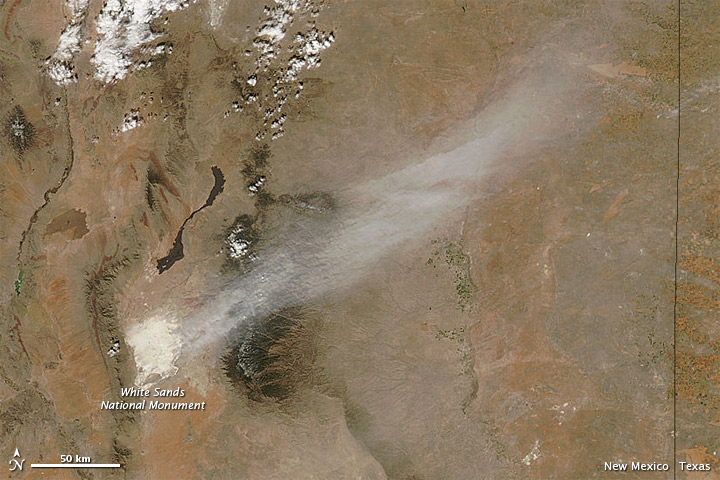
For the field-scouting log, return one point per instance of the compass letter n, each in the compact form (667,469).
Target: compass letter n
(16,465)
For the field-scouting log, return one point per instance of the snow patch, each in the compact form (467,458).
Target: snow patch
(114,349)
(307,51)
(282,70)
(131,120)
(255,187)
(274,27)
(533,455)
(238,247)
(77,7)
(59,66)
(217,8)
(124,27)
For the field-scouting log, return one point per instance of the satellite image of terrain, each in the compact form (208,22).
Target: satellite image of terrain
(360,239)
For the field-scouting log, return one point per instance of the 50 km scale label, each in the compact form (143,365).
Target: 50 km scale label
(77,459)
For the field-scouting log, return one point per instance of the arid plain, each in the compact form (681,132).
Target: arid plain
(410,240)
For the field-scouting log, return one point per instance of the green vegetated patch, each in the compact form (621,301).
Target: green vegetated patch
(452,255)
(457,334)
(645,313)
(464,349)
(658,350)
(18,282)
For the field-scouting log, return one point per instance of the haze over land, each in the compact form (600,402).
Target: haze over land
(347,228)
(310,257)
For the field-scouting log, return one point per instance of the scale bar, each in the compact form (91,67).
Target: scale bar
(74,465)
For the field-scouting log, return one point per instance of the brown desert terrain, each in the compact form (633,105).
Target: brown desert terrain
(417,240)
